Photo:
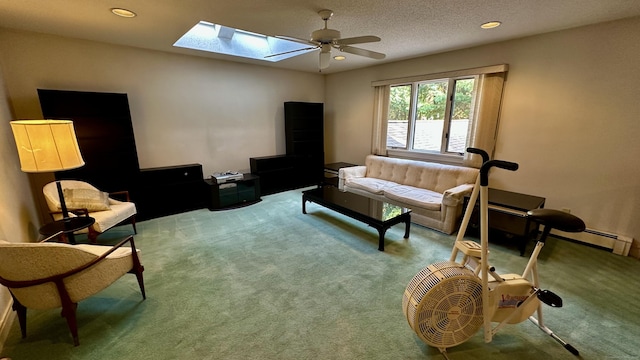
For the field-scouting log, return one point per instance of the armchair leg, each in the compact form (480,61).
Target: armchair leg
(69,313)
(137,268)
(133,222)
(22,315)
(141,282)
(68,310)
(93,235)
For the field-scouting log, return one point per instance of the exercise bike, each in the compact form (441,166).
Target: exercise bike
(448,302)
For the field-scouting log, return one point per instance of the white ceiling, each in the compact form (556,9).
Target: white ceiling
(408,28)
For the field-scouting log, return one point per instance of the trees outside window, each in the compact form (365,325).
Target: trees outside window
(431,116)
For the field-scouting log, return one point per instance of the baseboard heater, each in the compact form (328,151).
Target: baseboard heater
(619,244)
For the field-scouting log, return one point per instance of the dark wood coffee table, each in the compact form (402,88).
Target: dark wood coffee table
(377,214)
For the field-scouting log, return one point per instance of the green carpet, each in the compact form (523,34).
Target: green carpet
(267,282)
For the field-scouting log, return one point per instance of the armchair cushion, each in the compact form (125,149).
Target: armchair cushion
(90,199)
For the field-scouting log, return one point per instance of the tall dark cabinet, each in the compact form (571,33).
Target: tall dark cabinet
(303,164)
(304,131)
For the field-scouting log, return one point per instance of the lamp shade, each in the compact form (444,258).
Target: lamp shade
(46,145)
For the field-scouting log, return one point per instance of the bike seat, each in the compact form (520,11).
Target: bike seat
(557,219)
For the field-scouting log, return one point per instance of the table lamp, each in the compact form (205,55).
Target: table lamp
(47,146)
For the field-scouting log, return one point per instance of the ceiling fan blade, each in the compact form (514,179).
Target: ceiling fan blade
(357,40)
(292,51)
(325,57)
(363,52)
(298,40)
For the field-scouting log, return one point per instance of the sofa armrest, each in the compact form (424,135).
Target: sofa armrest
(350,172)
(453,196)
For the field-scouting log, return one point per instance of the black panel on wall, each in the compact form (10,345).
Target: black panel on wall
(102,122)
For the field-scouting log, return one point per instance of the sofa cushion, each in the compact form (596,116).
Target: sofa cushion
(372,185)
(410,195)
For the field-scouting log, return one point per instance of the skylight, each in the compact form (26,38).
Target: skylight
(205,36)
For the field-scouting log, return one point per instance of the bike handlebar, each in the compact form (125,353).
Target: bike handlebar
(484,170)
(485,156)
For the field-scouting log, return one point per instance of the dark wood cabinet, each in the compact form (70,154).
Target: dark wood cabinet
(277,173)
(304,128)
(170,190)
(508,215)
(233,193)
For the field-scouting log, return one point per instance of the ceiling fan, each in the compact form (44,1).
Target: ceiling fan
(325,39)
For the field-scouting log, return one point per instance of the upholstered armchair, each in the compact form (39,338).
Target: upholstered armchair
(84,199)
(51,275)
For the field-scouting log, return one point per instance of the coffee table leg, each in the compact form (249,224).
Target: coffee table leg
(381,232)
(304,201)
(407,227)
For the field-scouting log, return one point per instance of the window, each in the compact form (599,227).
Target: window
(436,117)
(431,116)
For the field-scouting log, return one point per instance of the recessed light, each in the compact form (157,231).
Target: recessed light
(491,24)
(123,12)
(339,57)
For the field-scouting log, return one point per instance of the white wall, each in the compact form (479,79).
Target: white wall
(184,109)
(18,215)
(570,117)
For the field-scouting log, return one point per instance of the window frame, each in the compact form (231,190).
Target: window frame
(488,89)
(442,153)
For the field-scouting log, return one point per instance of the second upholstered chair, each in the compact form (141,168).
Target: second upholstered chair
(82,197)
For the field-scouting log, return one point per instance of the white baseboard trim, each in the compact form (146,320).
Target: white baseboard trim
(7,317)
(619,244)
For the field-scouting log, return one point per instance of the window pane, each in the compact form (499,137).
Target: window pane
(460,113)
(398,122)
(430,112)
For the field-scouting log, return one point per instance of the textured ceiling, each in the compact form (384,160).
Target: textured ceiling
(408,28)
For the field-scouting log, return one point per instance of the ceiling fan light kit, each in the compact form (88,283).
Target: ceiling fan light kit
(325,39)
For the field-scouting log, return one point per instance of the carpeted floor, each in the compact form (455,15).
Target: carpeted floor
(267,282)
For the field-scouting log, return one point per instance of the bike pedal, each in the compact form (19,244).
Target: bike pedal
(550,298)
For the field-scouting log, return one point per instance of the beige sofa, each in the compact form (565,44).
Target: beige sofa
(434,192)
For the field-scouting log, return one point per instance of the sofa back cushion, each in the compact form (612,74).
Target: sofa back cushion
(426,175)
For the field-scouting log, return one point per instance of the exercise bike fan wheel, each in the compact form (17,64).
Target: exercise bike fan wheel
(443,304)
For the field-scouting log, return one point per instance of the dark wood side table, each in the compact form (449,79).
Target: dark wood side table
(331,172)
(508,214)
(67,227)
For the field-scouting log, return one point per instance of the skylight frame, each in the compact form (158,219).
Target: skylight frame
(220,39)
